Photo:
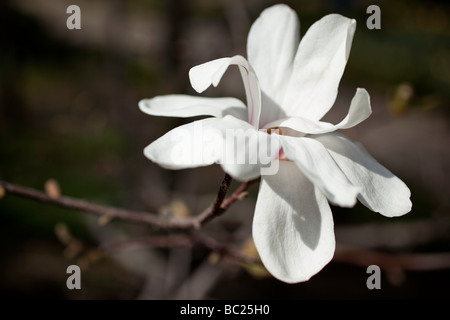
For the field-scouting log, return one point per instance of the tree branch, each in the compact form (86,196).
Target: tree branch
(219,206)
(178,240)
(352,255)
(153,242)
(344,253)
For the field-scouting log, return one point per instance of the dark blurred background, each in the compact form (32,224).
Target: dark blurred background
(69,123)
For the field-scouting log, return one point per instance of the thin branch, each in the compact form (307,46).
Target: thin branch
(221,204)
(352,255)
(178,240)
(239,194)
(153,242)
(174,223)
(222,249)
(215,209)
(344,253)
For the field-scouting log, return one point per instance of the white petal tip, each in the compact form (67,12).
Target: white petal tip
(143,105)
(399,211)
(347,200)
(149,154)
(198,86)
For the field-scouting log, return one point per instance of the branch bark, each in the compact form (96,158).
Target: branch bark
(179,240)
(346,254)
(219,206)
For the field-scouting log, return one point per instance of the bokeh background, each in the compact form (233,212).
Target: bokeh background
(69,123)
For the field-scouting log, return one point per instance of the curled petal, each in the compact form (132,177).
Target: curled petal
(359,111)
(184,106)
(210,73)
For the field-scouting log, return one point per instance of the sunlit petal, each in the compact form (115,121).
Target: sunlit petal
(271,46)
(184,106)
(210,73)
(359,111)
(381,191)
(318,67)
(319,167)
(292,226)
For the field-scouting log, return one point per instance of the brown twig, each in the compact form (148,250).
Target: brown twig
(221,204)
(344,253)
(352,255)
(153,242)
(216,208)
(178,240)
(238,194)
(221,248)
(174,223)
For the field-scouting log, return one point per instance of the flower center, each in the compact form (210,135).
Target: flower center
(277,130)
(282,132)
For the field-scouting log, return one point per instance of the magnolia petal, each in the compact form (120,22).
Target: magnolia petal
(318,67)
(250,153)
(271,46)
(301,125)
(359,111)
(230,142)
(319,167)
(381,191)
(293,225)
(210,73)
(188,146)
(184,106)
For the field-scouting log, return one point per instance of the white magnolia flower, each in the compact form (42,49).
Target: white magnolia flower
(290,85)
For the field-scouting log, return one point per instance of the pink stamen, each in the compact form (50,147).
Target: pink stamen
(281,156)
